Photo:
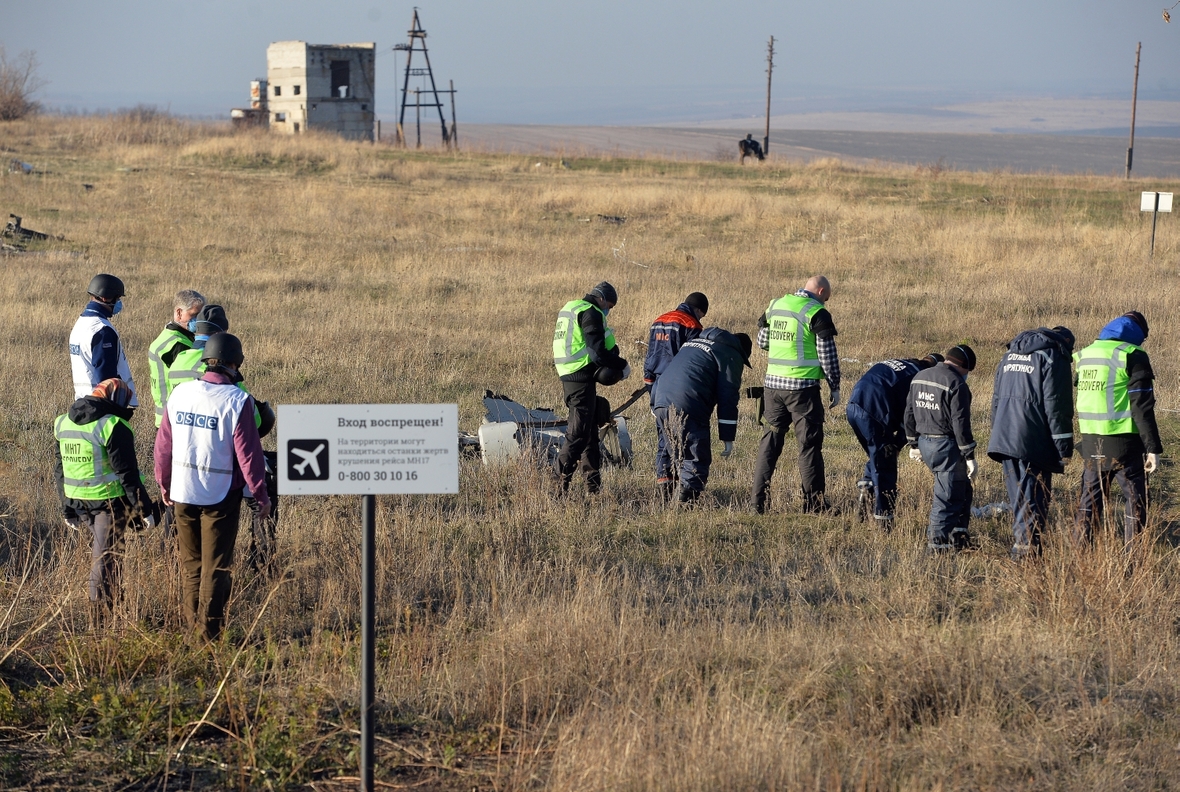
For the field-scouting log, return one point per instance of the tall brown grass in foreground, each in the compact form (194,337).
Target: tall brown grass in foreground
(586,644)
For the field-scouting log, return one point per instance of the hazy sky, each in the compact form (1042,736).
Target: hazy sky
(609,61)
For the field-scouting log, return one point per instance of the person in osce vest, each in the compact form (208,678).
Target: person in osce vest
(96,354)
(938,431)
(207,450)
(177,336)
(706,374)
(800,339)
(1116,416)
(1032,427)
(875,412)
(585,354)
(99,483)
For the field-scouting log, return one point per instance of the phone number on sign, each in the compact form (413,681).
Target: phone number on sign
(378,475)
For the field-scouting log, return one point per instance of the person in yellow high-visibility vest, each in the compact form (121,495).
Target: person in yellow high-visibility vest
(800,339)
(176,337)
(98,480)
(585,355)
(1116,416)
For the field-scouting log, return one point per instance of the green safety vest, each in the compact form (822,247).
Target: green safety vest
(1104,406)
(161,384)
(792,350)
(570,352)
(85,463)
(189,366)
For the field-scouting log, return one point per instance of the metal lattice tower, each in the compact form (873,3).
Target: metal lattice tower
(417,43)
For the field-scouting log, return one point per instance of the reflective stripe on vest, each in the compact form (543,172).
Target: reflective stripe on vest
(87,474)
(161,383)
(203,416)
(795,357)
(186,366)
(570,352)
(1104,405)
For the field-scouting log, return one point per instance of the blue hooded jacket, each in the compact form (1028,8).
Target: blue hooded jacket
(1124,329)
(1032,401)
(882,392)
(705,373)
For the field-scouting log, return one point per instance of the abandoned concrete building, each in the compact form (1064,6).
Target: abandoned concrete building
(325,87)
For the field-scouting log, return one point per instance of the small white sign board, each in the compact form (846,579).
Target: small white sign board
(368,449)
(1147,202)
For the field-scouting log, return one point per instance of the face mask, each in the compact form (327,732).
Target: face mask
(118,306)
(192,325)
(605,312)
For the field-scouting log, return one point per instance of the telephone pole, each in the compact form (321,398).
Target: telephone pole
(769,72)
(1134,99)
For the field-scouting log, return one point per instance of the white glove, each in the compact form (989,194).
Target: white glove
(1153,462)
(626,371)
(835,402)
(725,452)
(972,468)
(915,455)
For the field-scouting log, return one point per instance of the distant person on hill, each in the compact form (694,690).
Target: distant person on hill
(876,413)
(938,430)
(96,353)
(750,148)
(799,337)
(585,354)
(1032,427)
(668,334)
(1116,415)
(705,375)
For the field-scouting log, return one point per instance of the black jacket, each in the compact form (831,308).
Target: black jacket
(120,449)
(940,404)
(1032,402)
(594,332)
(705,374)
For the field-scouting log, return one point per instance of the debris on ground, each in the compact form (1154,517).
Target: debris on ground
(15,231)
(990,510)
(510,430)
(16,166)
(616,219)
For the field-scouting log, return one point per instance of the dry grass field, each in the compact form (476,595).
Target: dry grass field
(601,643)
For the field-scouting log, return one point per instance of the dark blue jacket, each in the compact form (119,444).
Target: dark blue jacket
(668,333)
(1032,401)
(105,344)
(706,373)
(882,392)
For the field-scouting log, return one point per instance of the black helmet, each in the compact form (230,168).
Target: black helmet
(224,347)
(267,414)
(607,376)
(105,287)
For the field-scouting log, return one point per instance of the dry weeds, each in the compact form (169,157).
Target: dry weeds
(599,643)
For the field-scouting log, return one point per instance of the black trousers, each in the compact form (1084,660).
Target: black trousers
(803,411)
(207,535)
(581,449)
(1096,480)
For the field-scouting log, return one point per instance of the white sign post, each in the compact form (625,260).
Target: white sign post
(1155,202)
(368,450)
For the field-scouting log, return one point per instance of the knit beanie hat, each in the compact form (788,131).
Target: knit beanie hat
(962,356)
(933,359)
(114,390)
(698,301)
(1067,334)
(212,319)
(606,292)
(1138,319)
(747,346)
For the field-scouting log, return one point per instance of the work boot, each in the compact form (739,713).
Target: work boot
(758,505)
(689,496)
(960,539)
(816,503)
(884,522)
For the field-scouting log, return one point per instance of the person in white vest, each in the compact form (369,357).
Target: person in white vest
(207,450)
(96,354)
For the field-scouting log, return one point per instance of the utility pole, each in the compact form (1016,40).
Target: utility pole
(1134,99)
(769,72)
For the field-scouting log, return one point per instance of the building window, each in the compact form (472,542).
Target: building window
(297,90)
(340,80)
(364,107)
(296,126)
(281,118)
(278,90)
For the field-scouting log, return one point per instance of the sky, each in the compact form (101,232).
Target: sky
(609,61)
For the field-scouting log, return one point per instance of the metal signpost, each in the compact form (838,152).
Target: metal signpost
(368,450)
(1155,202)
